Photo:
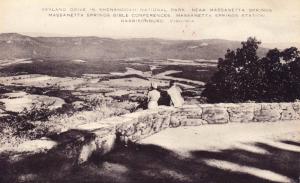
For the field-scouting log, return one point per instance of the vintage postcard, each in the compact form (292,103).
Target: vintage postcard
(156,91)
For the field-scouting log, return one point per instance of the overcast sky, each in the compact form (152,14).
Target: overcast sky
(282,25)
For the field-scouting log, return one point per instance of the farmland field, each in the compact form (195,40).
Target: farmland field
(39,97)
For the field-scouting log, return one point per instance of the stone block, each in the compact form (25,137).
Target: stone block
(193,113)
(191,116)
(206,105)
(288,112)
(215,115)
(296,107)
(101,145)
(29,177)
(226,105)
(140,126)
(267,112)
(126,129)
(174,121)
(156,126)
(35,146)
(166,122)
(241,113)
(136,136)
(193,122)
(86,151)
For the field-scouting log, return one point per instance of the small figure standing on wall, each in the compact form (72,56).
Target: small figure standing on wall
(153,96)
(175,95)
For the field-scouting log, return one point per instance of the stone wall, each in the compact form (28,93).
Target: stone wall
(101,137)
(135,126)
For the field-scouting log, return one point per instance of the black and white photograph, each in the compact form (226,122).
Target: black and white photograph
(153,91)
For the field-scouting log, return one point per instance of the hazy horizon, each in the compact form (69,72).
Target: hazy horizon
(279,45)
(33,34)
(280,26)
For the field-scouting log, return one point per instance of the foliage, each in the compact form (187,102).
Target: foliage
(243,76)
(40,120)
(22,121)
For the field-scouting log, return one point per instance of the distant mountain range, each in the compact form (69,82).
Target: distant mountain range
(281,45)
(13,45)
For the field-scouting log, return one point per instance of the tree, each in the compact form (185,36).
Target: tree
(291,57)
(243,76)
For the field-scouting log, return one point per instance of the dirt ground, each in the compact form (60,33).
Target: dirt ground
(250,138)
(219,137)
(234,153)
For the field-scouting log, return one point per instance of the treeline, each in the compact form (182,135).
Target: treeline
(243,76)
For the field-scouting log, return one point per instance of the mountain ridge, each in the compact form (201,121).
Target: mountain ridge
(14,45)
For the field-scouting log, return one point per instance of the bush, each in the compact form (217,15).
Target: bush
(243,76)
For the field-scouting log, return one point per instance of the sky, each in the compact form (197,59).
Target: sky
(280,25)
